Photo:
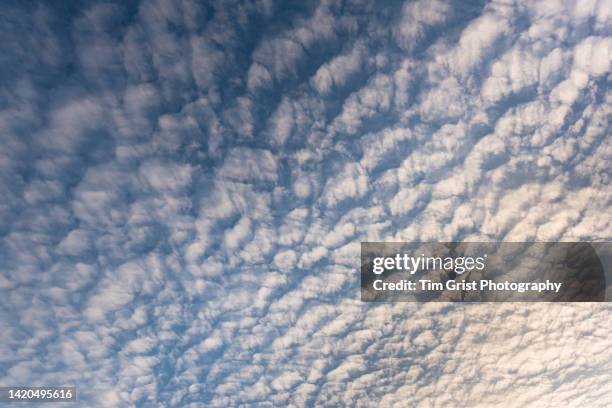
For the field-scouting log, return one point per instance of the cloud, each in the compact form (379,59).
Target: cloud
(338,71)
(350,183)
(185,187)
(369,102)
(246,164)
(417,19)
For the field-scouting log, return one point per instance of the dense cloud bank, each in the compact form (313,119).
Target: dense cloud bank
(185,185)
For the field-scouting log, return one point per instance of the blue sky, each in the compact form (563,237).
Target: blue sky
(185,186)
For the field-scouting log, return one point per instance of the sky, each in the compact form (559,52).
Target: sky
(184,187)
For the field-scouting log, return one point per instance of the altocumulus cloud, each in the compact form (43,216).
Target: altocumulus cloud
(184,186)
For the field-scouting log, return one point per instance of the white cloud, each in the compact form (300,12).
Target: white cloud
(282,122)
(373,99)
(593,55)
(417,18)
(477,40)
(166,177)
(184,190)
(237,234)
(351,182)
(285,260)
(76,243)
(337,72)
(244,164)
